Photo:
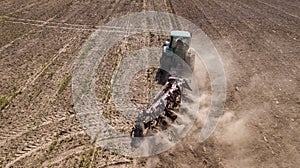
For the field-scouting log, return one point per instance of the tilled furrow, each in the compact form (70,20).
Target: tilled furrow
(174,20)
(36,118)
(241,28)
(7,133)
(259,16)
(98,14)
(22,6)
(7,138)
(49,24)
(34,53)
(42,10)
(8,6)
(271,37)
(12,31)
(280,18)
(36,138)
(238,39)
(201,19)
(47,147)
(292,7)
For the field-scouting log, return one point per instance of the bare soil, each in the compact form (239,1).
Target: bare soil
(258,41)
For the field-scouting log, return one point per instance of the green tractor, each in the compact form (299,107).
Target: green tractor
(175,54)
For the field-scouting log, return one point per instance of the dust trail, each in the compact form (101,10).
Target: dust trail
(234,135)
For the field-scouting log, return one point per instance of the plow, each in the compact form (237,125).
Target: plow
(165,105)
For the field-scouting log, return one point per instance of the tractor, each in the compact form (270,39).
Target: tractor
(175,54)
(175,58)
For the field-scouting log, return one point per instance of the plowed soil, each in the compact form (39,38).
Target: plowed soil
(258,41)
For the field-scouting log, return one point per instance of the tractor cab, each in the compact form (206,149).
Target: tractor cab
(175,54)
(180,36)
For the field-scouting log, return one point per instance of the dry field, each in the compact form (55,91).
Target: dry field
(258,40)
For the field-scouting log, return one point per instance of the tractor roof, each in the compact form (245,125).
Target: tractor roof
(180,33)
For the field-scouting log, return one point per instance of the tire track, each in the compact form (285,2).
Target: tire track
(294,3)
(24,58)
(257,30)
(144,5)
(116,163)
(23,36)
(171,6)
(175,23)
(43,147)
(153,5)
(170,24)
(158,22)
(253,51)
(46,121)
(259,36)
(223,19)
(104,74)
(106,158)
(237,33)
(72,14)
(54,57)
(237,22)
(229,42)
(228,21)
(36,2)
(200,20)
(59,27)
(76,27)
(280,19)
(63,156)
(54,25)
(79,27)
(294,35)
(43,10)
(6,6)
(99,158)
(37,138)
(97,14)
(3,5)
(160,6)
(80,10)
(113,10)
(4,2)
(22,153)
(286,5)
(279,9)
(30,82)
(257,43)
(23,129)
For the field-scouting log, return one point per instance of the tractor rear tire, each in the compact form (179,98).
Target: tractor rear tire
(162,76)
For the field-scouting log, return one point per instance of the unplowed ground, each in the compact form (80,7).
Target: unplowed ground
(259,42)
